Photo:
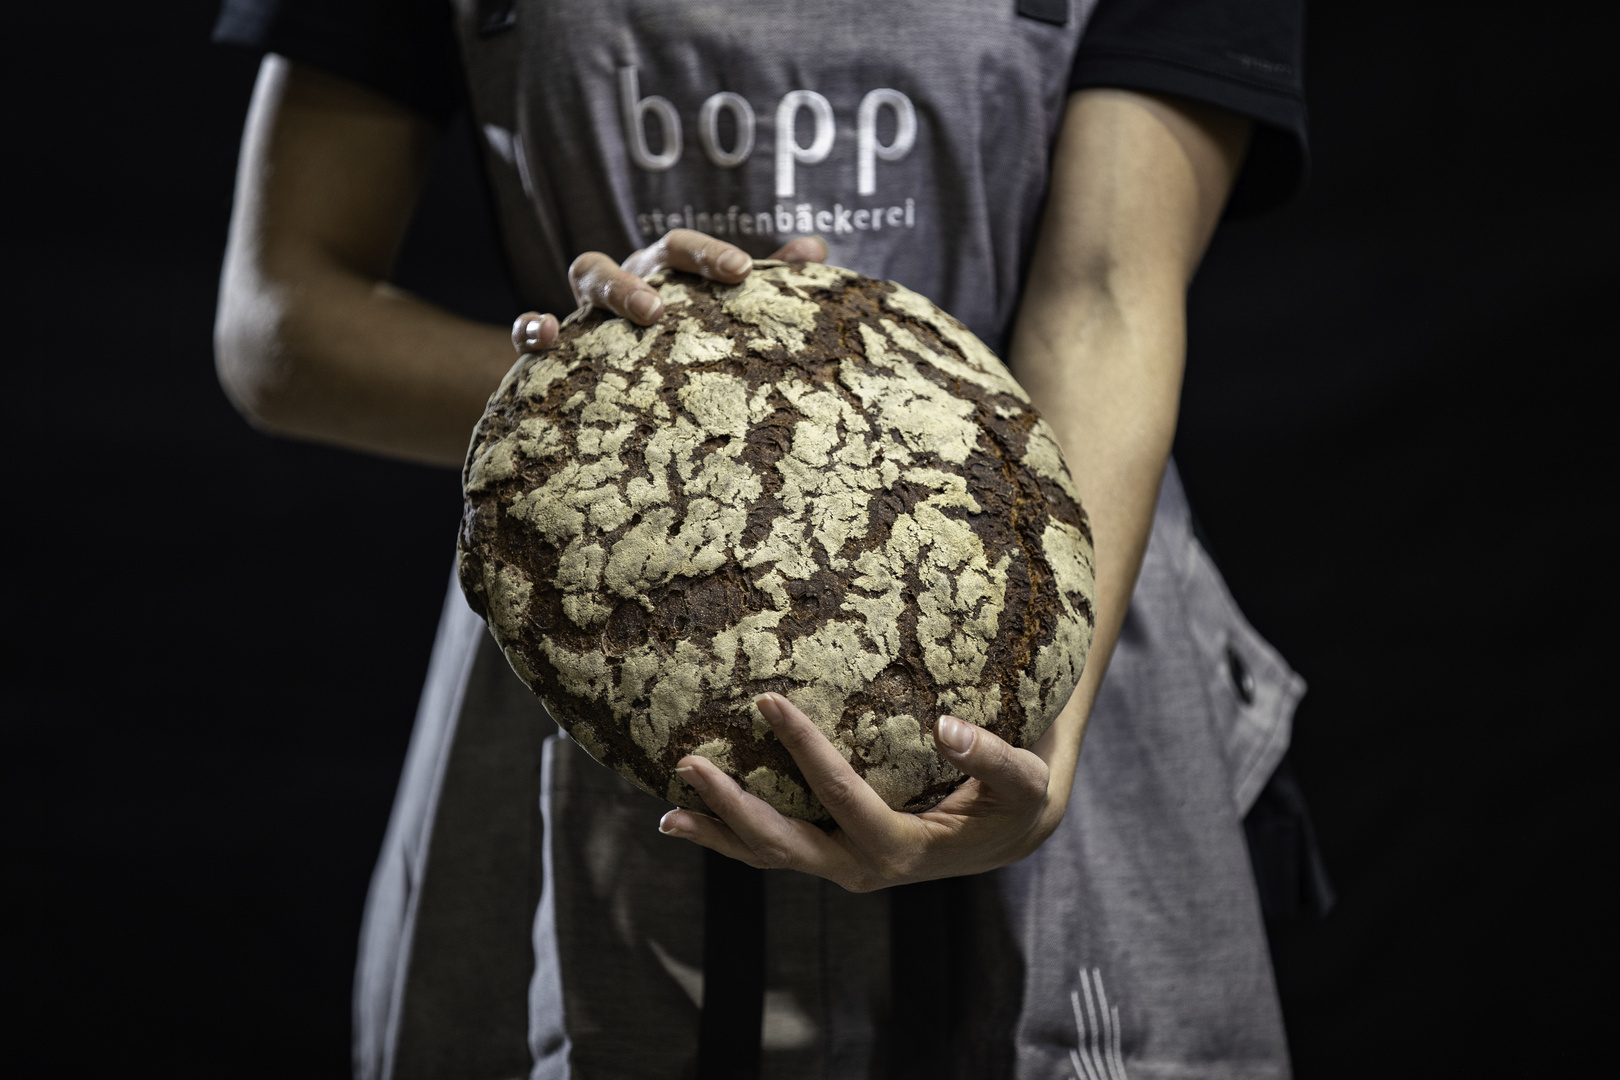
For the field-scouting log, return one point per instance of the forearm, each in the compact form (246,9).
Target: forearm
(1100,340)
(1107,378)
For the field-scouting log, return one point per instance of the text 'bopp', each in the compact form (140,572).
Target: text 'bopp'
(634,109)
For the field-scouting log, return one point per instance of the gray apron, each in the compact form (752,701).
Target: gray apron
(914,136)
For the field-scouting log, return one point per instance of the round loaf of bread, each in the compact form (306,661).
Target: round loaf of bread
(812,483)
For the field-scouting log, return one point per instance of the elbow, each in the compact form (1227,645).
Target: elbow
(251,359)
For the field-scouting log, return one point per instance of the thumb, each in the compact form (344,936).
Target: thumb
(990,759)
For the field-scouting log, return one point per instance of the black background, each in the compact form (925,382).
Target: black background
(1391,429)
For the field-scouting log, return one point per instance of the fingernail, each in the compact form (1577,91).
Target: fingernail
(665,825)
(956,736)
(767,706)
(694,779)
(735,262)
(644,305)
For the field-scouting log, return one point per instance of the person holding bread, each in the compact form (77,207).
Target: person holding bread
(1047,171)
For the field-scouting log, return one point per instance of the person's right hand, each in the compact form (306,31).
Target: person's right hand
(597,279)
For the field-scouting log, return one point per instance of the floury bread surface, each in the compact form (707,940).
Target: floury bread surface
(811,483)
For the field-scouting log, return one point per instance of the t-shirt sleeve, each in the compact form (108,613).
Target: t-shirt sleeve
(1244,56)
(403,49)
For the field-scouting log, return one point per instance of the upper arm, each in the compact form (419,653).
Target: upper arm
(328,168)
(1138,185)
(327,181)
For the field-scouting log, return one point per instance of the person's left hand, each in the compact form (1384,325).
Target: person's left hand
(596,279)
(999,815)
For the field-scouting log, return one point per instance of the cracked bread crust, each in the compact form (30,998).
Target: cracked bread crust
(812,483)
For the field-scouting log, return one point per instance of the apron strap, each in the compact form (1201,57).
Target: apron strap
(733,969)
(920,961)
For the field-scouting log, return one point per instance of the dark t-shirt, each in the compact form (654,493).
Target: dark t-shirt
(1240,55)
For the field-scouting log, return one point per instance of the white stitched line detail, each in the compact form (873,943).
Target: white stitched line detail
(1110,1032)
(1096,1031)
(1098,1054)
(1118,1057)
(1106,1039)
(1082,1066)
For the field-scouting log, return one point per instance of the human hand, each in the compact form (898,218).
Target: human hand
(1002,813)
(597,279)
